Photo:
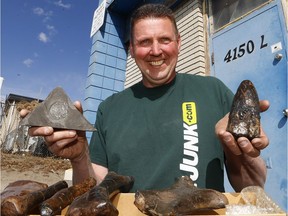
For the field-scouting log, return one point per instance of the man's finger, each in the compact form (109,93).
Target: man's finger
(247,148)
(65,136)
(40,131)
(78,105)
(229,142)
(24,112)
(264,105)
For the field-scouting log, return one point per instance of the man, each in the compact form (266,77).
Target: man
(162,127)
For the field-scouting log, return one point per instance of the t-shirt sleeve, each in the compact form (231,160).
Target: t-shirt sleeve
(226,96)
(228,99)
(97,147)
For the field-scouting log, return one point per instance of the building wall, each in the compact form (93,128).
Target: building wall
(189,18)
(107,65)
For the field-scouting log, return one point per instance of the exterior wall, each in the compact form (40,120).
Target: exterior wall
(189,18)
(106,73)
(247,48)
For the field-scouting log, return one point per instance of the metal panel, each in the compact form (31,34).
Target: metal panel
(251,49)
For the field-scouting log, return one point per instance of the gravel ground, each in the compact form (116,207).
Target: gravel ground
(47,170)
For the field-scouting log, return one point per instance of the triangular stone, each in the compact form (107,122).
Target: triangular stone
(57,111)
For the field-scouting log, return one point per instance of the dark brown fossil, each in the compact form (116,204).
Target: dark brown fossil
(244,117)
(26,204)
(55,204)
(182,198)
(97,200)
(58,112)
(21,187)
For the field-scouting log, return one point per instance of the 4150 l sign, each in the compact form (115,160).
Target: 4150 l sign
(243,49)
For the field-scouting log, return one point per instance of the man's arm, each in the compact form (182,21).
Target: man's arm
(245,168)
(83,168)
(72,145)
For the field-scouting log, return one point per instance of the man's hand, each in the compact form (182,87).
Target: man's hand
(242,144)
(68,144)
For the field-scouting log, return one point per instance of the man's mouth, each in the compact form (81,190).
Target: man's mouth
(157,63)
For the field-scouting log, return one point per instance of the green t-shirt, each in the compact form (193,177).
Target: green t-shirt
(159,134)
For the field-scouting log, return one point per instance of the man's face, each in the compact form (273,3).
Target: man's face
(155,47)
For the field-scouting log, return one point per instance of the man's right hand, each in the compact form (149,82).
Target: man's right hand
(68,144)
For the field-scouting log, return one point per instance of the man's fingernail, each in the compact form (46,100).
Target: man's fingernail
(47,130)
(243,143)
(72,133)
(227,139)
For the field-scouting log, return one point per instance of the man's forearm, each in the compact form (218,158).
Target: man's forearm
(82,168)
(245,171)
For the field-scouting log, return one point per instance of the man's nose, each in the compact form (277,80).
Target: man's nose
(156,48)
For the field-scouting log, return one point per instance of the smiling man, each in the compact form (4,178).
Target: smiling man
(164,126)
(155,45)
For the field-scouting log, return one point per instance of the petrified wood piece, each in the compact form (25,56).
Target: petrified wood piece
(26,204)
(182,198)
(97,200)
(244,117)
(58,112)
(55,204)
(21,187)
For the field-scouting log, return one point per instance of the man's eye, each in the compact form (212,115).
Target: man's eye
(145,43)
(164,41)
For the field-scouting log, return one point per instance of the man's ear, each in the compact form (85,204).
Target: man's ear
(179,42)
(131,49)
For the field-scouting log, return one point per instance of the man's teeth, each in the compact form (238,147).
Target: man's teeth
(156,63)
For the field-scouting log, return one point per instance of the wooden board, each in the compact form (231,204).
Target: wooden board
(124,202)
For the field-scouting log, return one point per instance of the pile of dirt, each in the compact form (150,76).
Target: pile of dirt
(28,162)
(27,105)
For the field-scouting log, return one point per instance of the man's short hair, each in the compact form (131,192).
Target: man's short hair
(151,11)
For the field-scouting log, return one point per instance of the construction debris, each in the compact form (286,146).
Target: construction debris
(13,137)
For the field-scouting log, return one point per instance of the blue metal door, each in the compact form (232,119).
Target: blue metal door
(254,48)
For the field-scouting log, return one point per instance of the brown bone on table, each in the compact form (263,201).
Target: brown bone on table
(97,201)
(23,205)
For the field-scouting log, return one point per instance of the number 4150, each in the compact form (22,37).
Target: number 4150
(244,48)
